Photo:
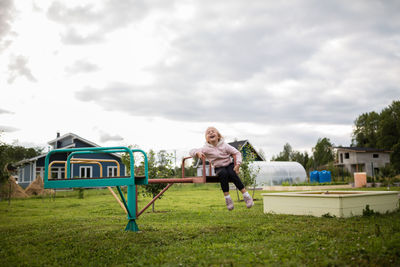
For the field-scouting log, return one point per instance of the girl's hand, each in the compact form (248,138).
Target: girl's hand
(236,168)
(200,155)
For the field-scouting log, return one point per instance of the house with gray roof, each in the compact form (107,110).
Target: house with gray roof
(29,169)
(362,159)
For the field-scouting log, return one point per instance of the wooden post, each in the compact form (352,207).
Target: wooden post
(116,197)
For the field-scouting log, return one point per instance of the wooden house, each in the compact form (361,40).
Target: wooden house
(29,169)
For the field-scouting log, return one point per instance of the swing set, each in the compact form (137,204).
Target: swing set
(128,204)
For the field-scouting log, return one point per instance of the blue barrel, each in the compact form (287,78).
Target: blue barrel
(314,177)
(325,177)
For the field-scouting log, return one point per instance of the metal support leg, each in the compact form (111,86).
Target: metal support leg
(132,226)
(130,208)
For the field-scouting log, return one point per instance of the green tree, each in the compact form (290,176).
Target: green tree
(285,155)
(137,158)
(10,154)
(310,164)
(395,157)
(322,152)
(189,169)
(386,174)
(248,173)
(365,132)
(389,127)
(288,154)
(302,158)
(159,166)
(380,131)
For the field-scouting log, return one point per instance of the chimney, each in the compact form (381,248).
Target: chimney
(57,144)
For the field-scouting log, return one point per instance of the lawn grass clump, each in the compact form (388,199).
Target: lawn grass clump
(191,227)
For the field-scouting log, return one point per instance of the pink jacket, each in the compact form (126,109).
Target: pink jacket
(220,155)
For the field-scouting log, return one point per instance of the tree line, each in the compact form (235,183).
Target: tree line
(12,153)
(322,154)
(380,130)
(371,130)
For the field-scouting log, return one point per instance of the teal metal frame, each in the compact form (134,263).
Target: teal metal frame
(130,181)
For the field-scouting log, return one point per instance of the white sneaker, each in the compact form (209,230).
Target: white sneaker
(229,203)
(249,201)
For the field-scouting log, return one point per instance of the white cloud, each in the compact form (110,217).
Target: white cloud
(89,22)
(158,73)
(18,67)
(106,137)
(7,129)
(3,111)
(81,66)
(7,12)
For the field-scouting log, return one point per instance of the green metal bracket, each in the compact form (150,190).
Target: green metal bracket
(132,226)
(130,181)
(123,200)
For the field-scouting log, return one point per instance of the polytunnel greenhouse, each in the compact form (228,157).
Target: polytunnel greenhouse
(277,172)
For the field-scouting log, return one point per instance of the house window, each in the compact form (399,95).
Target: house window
(112,171)
(57,173)
(375,156)
(346,155)
(85,172)
(54,173)
(341,157)
(26,174)
(21,173)
(39,172)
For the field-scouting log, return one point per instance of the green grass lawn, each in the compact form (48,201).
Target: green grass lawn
(191,227)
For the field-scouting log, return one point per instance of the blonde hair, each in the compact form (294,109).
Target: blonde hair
(218,133)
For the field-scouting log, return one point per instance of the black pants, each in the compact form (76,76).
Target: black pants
(226,175)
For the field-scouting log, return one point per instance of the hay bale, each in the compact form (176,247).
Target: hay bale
(16,190)
(36,188)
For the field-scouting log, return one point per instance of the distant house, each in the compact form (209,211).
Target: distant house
(361,159)
(29,169)
(243,146)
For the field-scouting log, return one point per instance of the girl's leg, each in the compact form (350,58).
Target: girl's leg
(223,175)
(239,184)
(224,180)
(234,178)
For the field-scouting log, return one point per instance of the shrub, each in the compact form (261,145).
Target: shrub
(368,212)
(328,215)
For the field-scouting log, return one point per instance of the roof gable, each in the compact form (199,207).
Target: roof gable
(69,140)
(240,144)
(363,149)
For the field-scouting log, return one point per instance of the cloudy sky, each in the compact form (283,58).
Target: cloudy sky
(156,73)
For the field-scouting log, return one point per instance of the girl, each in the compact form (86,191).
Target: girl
(219,154)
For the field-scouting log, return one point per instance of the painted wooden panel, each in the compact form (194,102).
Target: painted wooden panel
(349,203)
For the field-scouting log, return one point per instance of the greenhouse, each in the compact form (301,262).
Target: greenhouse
(277,172)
